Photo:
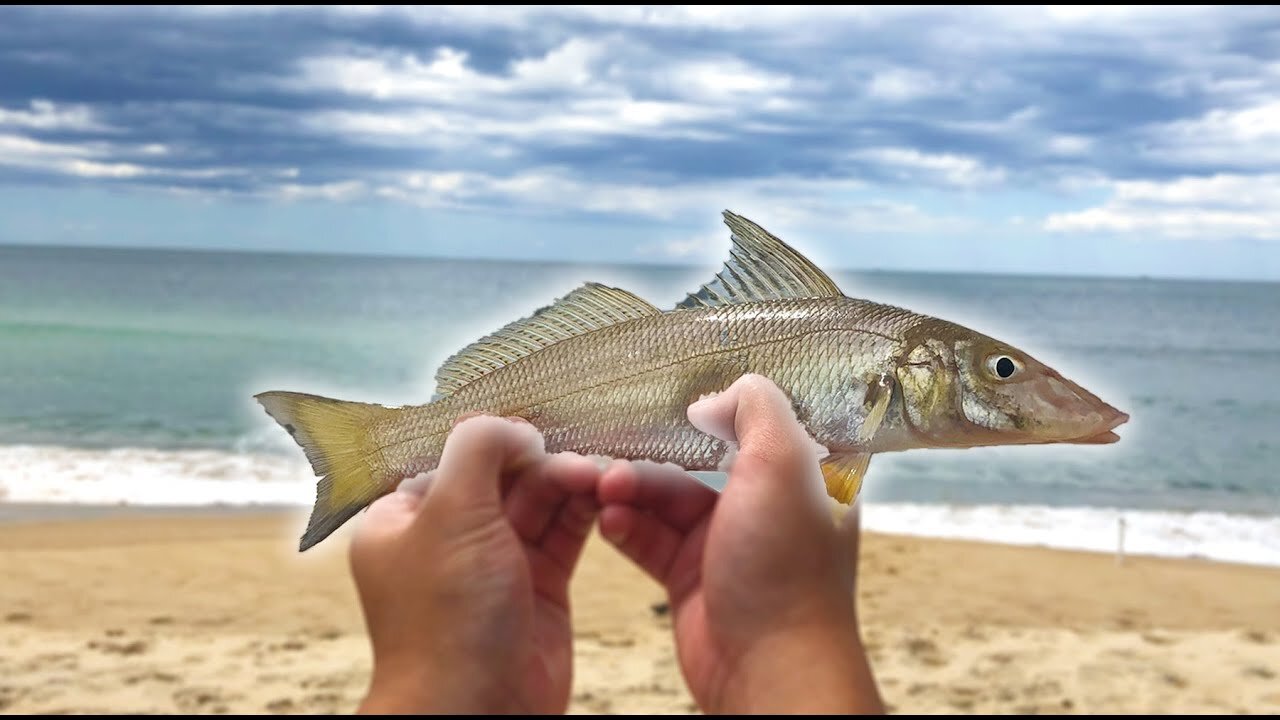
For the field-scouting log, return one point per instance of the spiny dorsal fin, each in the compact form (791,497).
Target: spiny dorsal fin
(588,308)
(760,267)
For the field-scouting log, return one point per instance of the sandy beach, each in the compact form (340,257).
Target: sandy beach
(218,613)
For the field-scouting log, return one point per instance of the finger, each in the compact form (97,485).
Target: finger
(386,518)
(567,533)
(418,485)
(850,529)
(642,537)
(771,442)
(663,490)
(477,454)
(538,494)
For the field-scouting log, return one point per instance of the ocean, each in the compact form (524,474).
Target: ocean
(127,376)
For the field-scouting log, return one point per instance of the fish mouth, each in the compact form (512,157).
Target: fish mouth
(1103,435)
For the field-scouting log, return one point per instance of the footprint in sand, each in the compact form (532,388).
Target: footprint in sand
(592,703)
(280,705)
(201,699)
(19,617)
(1128,618)
(1156,639)
(324,634)
(1041,689)
(1256,636)
(1258,671)
(925,650)
(962,697)
(327,701)
(53,661)
(921,688)
(133,647)
(162,677)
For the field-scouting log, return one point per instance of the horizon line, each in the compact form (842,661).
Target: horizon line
(672,264)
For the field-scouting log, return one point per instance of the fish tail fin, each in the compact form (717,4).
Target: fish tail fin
(334,434)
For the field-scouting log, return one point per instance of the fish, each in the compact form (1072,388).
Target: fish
(603,372)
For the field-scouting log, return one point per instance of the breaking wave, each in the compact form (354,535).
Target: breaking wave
(146,477)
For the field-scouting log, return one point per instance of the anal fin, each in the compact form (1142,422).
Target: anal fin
(843,473)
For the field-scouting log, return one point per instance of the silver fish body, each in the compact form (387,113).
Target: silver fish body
(603,372)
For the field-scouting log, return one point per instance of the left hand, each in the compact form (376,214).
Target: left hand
(464,583)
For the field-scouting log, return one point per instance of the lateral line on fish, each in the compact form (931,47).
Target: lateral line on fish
(624,378)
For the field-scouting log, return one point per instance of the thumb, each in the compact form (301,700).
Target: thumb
(477,453)
(772,445)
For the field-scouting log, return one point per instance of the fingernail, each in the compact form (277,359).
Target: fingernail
(614,535)
(711,416)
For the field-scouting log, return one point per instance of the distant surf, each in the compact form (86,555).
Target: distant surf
(42,474)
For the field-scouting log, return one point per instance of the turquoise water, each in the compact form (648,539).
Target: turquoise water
(144,349)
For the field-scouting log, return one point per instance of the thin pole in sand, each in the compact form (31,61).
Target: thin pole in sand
(1120,540)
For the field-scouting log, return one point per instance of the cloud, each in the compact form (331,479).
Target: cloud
(903,84)
(877,115)
(45,115)
(443,101)
(23,152)
(934,168)
(1219,207)
(1247,137)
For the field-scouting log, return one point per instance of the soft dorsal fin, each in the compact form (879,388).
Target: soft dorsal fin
(588,308)
(760,267)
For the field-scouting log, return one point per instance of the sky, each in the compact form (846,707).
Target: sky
(1053,139)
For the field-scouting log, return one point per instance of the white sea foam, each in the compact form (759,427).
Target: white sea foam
(129,476)
(1217,536)
(134,476)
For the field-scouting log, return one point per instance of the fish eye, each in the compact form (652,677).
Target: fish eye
(1003,366)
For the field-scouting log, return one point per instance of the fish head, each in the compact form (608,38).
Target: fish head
(963,389)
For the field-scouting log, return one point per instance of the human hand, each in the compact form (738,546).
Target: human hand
(464,578)
(760,578)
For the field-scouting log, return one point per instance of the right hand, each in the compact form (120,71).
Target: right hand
(760,578)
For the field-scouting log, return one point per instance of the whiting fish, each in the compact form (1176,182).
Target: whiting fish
(604,372)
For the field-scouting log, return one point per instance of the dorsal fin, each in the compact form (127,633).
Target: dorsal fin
(760,267)
(588,308)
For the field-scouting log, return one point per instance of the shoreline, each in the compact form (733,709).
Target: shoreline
(1102,533)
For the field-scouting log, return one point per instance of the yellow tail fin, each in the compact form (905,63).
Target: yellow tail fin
(335,436)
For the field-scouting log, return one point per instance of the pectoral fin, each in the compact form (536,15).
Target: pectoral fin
(879,393)
(843,473)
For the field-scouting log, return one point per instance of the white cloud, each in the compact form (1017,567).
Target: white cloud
(62,158)
(444,102)
(686,248)
(98,160)
(344,190)
(904,85)
(909,164)
(1241,137)
(46,115)
(1222,206)
(1069,145)
(831,204)
(725,79)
